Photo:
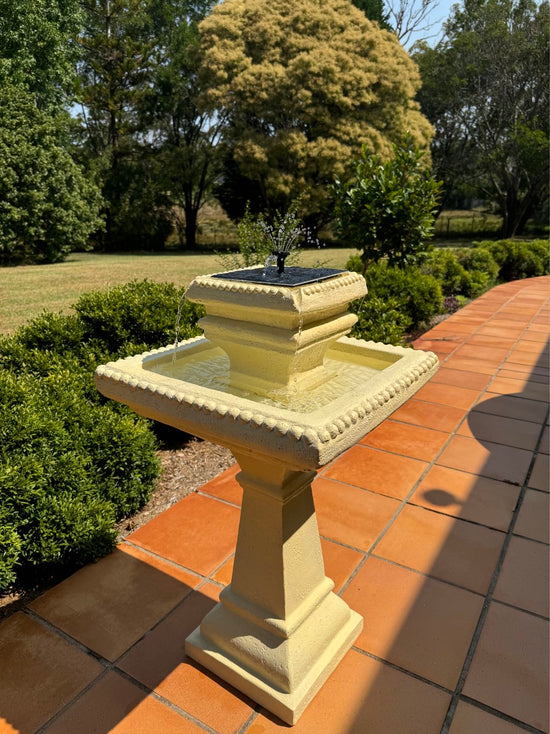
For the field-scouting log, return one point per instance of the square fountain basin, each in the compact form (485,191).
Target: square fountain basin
(189,388)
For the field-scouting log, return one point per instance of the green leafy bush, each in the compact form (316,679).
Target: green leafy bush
(379,320)
(450,274)
(72,463)
(397,300)
(68,470)
(136,316)
(518,259)
(387,210)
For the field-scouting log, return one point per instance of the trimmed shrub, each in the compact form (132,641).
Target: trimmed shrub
(518,259)
(416,295)
(136,316)
(379,320)
(72,463)
(68,470)
(450,274)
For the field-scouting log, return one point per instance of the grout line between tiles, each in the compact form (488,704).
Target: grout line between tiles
(489,598)
(501,715)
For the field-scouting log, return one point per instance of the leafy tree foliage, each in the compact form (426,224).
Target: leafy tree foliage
(185,136)
(387,209)
(374,10)
(47,206)
(301,86)
(486,90)
(36,48)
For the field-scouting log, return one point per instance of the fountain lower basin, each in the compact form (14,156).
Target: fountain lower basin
(275,380)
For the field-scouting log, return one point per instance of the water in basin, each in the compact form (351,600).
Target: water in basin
(209,368)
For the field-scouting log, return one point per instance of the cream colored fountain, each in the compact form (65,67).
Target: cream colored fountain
(276,380)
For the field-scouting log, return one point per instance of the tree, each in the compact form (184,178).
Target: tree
(37,52)
(301,86)
(409,17)
(47,206)
(185,136)
(486,90)
(118,46)
(387,209)
(374,10)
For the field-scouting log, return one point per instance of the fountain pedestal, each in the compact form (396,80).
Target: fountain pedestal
(279,630)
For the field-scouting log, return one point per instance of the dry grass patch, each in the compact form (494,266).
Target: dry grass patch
(27,290)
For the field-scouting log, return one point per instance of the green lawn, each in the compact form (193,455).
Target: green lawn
(27,290)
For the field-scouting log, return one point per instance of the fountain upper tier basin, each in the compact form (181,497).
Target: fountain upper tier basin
(365,383)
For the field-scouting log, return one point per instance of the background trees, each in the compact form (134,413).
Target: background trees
(47,206)
(485,89)
(301,86)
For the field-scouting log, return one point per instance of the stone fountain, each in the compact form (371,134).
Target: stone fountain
(275,379)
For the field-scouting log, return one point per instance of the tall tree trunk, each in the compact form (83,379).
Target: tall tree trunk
(190,227)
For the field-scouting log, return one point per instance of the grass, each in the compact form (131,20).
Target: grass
(28,290)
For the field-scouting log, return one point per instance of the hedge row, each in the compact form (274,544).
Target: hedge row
(404,299)
(71,463)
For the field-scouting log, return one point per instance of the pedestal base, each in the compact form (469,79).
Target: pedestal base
(288,706)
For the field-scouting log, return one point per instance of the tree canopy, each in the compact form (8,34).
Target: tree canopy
(301,86)
(47,206)
(486,90)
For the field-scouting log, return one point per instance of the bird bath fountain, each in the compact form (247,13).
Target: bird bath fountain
(275,379)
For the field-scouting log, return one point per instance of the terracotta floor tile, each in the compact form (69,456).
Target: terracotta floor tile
(117,706)
(110,604)
(461,378)
(505,341)
(444,547)
(224,574)
(489,355)
(469,719)
(225,486)
(509,670)
(498,331)
(523,580)
(499,429)
(418,623)
(376,470)
(534,516)
(440,346)
(407,440)
(40,667)
(526,370)
(523,356)
(159,662)
(184,533)
(528,390)
(487,459)
(512,406)
(340,562)
(350,515)
(365,696)
(456,397)
(539,478)
(468,496)
(529,376)
(532,334)
(429,415)
(469,365)
(536,347)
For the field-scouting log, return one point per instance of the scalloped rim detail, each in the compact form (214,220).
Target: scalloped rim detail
(299,431)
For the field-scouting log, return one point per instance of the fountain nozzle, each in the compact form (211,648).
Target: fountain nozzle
(281,256)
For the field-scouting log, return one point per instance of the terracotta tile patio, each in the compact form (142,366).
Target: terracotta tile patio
(434,527)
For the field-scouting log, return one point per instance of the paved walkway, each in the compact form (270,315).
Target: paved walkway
(434,527)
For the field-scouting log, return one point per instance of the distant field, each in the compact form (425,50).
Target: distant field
(27,290)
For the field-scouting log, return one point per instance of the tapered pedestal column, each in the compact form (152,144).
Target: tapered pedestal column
(279,630)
